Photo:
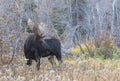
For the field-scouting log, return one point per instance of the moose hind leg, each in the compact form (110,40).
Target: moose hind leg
(59,58)
(52,61)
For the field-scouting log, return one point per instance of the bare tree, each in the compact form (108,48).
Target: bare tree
(72,21)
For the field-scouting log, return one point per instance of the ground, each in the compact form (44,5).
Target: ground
(73,69)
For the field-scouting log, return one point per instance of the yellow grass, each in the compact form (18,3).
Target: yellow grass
(72,70)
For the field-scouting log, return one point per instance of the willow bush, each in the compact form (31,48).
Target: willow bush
(103,46)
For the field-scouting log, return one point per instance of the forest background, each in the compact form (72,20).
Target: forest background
(87,29)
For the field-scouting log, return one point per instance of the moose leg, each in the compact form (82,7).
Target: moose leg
(37,58)
(52,61)
(38,64)
(59,58)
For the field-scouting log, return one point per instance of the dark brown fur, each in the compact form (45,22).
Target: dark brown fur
(36,49)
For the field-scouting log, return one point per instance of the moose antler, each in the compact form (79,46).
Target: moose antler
(35,30)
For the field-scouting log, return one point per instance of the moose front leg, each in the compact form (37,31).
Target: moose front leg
(37,58)
(38,64)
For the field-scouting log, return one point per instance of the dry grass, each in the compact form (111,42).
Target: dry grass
(72,70)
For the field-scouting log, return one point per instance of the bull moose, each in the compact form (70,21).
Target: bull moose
(36,49)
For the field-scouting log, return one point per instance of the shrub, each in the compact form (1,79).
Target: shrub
(76,50)
(87,48)
(104,46)
(116,54)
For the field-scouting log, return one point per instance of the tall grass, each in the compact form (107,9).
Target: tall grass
(73,69)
